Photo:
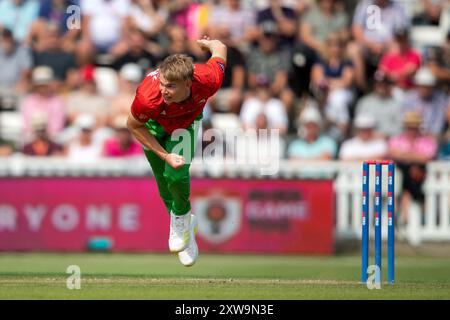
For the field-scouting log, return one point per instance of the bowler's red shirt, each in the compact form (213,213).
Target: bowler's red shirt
(149,103)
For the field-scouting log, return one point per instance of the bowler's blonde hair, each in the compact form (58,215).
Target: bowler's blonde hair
(177,67)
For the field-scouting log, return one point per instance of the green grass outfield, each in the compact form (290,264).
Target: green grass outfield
(160,276)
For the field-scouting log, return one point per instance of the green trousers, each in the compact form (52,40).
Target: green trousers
(174,186)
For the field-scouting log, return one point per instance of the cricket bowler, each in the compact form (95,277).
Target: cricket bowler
(169,98)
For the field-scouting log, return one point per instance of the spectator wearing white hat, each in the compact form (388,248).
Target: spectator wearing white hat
(41,145)
(84,148)
(311,144)
(43,100)
(365,145)
(263,102)
(428,101)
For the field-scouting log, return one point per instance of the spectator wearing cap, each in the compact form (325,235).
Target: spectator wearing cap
(18,16)
(438,60)
(382,106)
(130,76)
(268,61)
(365,144)
(84,148)
(412,150)
(401,61)
(427,100)
(15,65)
(373,31)
(43,100)
(311,143)
(332,81)
(122,144)
(41,144)
(51,54)
(87,99)
(262,102)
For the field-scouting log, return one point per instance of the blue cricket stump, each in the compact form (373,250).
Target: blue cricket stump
(378,220)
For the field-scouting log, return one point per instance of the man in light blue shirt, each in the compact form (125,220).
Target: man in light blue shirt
(311,145)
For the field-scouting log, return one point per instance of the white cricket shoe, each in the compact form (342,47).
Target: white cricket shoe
(179,232)
(189,255)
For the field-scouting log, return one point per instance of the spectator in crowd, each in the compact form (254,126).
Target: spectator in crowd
(374,24)
(411,150)
(191,16)
(332,80)
(41,144)
(301,61)
(428,101)
(104,26)
(283,18)
(401,61)
(315,26)
(260,146)
(15,66)
(179,43)
(43,100)
(229,97)
(311,144)
(382,106)
(6,147)
(87,100)
(431,12)
(366,144)
(18,16)
(61,62)
(149,16)
(229,15)
(438,60)
(60,14)
(319,22)
(139,52)
(130,76)
(84,148)
(444,149)
(262,102)
(270,62)
(122,144)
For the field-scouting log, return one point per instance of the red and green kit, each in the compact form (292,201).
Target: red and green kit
(163,120)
